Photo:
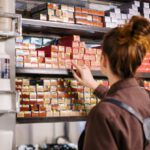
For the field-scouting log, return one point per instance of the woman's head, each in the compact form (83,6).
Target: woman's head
(126,46)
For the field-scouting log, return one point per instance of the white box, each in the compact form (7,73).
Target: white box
(137,3)
(114,20)
(107,19)
(134,7)
(124,16)
(130,16)
(146,10)
(132,11)
(112,14)
(118,16)
(117,10)
(147,16)
(146,5)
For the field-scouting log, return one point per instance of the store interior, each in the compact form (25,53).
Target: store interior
(42,105)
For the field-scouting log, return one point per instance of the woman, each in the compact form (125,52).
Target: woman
(110,127)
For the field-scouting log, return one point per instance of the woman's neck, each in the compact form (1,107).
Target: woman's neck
(113,79)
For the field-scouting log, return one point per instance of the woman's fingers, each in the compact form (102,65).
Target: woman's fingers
(77,77)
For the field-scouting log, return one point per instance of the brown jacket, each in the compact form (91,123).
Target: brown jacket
(109,127)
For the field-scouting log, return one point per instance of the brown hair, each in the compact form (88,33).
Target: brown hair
(126,46)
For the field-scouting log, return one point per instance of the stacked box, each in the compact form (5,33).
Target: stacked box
(145,9)
(89,17)
(120,15)
(146,84)
(54,97)
(70,49)
(145,67)
(68,14)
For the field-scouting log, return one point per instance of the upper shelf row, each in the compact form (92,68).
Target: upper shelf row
(46,27)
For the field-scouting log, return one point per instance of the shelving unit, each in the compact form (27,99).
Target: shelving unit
(51,119)
(51,72)
(32,26)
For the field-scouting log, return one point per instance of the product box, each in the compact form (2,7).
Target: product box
(27,114)
(42,65)
(19,64)
(78,9)
(20,115)
(42,114)
(35,114)
(81,50)
(68,49)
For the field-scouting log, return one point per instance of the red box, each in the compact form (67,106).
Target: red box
(68,65)
(67,56)
(75,44)
(68,50)
(42,108)
(54,55)
(81,50)
(41,59)
(42,114)
(75,50)
(87,63)
(85,10)
(92,57)
(27,114)
(77,56)
(41,53)
(33,53)
(55,65)
(82,44)
(80,62)
(54,48)
(26,108)
(90,51)
(78,9)
(61,48)
(35,114)
(61,55)
(98,51)
(41,65)
(97,19)
(86,57)
(48,60)
(62,64)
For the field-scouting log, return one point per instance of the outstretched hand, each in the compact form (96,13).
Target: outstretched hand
(84,76)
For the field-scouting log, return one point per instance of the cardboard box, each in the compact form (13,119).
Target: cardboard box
(40,101)
(41,53)
(61,48)
(20,115)
(27,114)
(42,114)
(68,49)
(75,44)
(75,50)
(78,9)
(80,62)
(61,55)
(35,114)
(42,65)
(54,48)
(41,59)
(19,64)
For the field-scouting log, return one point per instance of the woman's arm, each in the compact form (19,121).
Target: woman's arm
(84,76)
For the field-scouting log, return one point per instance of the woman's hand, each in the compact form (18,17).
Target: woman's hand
(84,76)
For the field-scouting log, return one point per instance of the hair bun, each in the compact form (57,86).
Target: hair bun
(139,26)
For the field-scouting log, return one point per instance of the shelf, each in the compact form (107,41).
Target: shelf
(143,75)
(32,26)
(7,92)
(51,119)
(50,72)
